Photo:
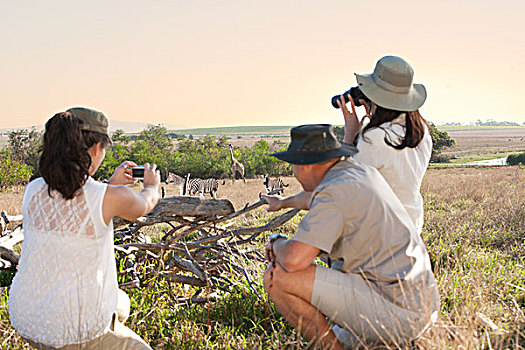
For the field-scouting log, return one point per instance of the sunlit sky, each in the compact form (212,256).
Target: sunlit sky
(225,63)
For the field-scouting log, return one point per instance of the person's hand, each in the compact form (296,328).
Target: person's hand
(274,202)
(122,174)
(151,176)
(352,123)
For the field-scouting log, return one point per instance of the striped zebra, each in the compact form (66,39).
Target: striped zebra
(201,186)
(274,184)
(176,180)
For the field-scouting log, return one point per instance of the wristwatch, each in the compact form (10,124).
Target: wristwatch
(276,236)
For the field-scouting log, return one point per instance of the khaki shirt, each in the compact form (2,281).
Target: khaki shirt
(356,219)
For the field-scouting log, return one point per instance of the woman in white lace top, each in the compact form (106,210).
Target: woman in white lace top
(65,292)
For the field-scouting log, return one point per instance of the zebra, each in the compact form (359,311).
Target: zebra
(274,184)
(201,186)
(177,180)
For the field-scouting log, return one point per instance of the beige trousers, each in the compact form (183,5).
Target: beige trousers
(119,336)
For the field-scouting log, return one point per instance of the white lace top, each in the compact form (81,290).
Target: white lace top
(65,290)
(402,169)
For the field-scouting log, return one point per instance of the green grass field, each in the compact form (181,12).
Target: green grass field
(474,230)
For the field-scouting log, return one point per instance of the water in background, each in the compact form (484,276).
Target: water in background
(497,161)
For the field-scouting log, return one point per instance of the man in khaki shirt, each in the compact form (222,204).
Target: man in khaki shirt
(380,288)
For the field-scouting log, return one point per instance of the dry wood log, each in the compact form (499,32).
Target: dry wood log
(192,206)
(11,238)
(9,255)
(172,208)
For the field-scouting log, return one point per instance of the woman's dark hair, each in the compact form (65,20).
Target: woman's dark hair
(414,127)
(64,163)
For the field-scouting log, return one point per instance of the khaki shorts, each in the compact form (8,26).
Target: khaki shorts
(118,337)
(364,317)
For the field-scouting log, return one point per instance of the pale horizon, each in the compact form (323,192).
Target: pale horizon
(232,63)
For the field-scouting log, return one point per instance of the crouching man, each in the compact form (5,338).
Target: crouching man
(380,288)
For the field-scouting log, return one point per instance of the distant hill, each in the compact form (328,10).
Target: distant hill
(128,127)
(235,130)
(133,127)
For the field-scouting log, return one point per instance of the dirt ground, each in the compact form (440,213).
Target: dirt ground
(239,193)
(479,142)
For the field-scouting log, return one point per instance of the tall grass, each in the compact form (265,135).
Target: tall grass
(474,230)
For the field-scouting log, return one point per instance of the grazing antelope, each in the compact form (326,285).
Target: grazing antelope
(274,184)
(177,180)
(202,186)
(236,166)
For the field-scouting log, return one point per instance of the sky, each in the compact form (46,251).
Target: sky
(199,63)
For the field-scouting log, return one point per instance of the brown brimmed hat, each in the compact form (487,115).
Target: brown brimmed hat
(91,120)
(314,143)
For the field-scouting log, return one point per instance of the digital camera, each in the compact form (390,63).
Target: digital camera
(138,172)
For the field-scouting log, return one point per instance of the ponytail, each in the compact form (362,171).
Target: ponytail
(414,127)
(64,163)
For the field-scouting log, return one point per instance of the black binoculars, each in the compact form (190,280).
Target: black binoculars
(356,94)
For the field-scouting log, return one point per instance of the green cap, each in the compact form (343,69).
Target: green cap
(91,120)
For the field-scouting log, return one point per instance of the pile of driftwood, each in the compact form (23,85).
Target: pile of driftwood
(198,245)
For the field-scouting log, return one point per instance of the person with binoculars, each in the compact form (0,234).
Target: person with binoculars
(65,294)
(396,141)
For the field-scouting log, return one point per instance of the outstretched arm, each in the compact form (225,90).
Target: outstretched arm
(128,204)
(300,200)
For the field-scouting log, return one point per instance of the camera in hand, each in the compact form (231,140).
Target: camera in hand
(356,94)
(138,172)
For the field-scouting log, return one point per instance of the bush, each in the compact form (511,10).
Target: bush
(13,173)
(440,139)
(204,157)
(24,147)
(257,160)
(516,159)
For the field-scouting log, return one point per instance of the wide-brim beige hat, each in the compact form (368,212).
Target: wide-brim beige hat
(391,85)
